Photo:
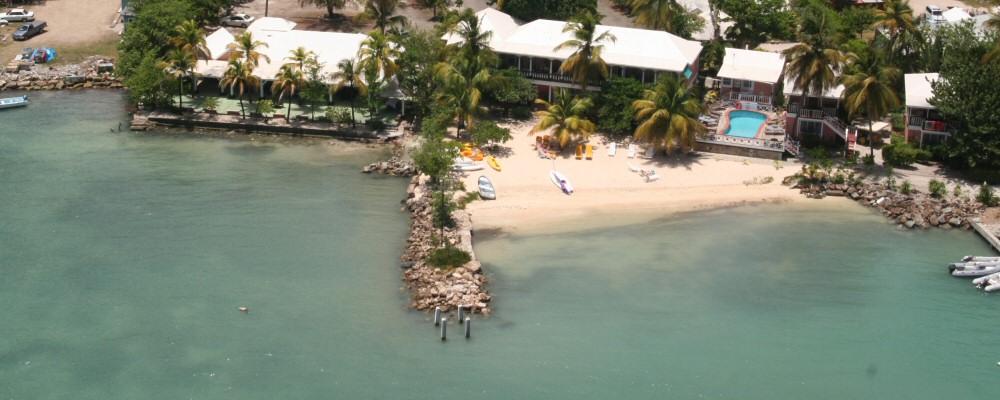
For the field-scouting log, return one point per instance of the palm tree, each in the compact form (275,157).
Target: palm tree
(586,61)
(475,40)
(567,115)
(349,75)
(299,57)
(246,47)
(869,91)
(379,53)
(655,14)
(668,114)
(189,37)
(896,19)
(239,78)
(287,80)
(462,89)
(813,67)
(177,64)
(382,13)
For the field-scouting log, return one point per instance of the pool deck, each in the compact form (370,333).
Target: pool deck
(724,124)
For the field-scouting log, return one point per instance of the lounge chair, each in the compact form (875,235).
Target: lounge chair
(631,150)
(579,152)
(613,149)
(590,152)
(650,152)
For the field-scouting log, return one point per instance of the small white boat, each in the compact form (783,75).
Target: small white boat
(486,189)
(465,165)
(561,181)
(971,264)
(11,102)
(980,258)
(976,270)
(989,283)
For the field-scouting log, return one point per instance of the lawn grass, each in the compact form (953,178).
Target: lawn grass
(106,47)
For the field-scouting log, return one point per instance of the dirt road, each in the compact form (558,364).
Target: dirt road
(74,27)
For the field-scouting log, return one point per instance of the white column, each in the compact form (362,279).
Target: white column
(530,64)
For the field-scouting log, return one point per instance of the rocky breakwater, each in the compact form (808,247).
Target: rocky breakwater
(432,287)
(86,75)
(910,210)
(393,166)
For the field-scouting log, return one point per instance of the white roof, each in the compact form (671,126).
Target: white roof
(955,15)
(751,65)
(918,89)
(491,20)
(638,48)
(217,43)
(271,24)
(831,93)
(211,68)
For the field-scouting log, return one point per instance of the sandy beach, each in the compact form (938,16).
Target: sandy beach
(607,192)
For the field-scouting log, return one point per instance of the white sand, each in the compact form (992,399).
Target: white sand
(607,191)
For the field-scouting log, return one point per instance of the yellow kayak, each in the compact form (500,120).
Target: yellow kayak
(492,161)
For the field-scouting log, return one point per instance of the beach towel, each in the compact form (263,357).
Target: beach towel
(631,150)
(613,149)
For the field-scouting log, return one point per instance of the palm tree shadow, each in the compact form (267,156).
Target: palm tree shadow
(678,159)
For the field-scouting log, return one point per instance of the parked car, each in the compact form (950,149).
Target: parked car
(29,30)
(18,15)
(240,20)
(934,14)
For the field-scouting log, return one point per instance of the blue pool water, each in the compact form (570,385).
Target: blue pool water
(745,124)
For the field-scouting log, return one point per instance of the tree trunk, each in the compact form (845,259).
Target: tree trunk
(242,110)
(180,95)
(329,10)
(871,138)
(288,115)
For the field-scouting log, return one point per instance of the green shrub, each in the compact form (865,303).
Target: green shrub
(868,160)
(210,104)
(987,197)
(958,190)
(937,188)
(487,132)
(448,257)
(901,154)
(521,113)
(560,10)
(466,199)
(906,187)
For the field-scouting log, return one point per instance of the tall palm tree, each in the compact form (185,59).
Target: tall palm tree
(655,14)
(239,78)
(566,116)
(287,81)
(246,47)
(585,62)
(870,91)
(189,37)
(668,114)
(379,53)
(177,64)
(299,56)
(462,89)
(382,13)
(349,74)
(813,67)
(475,40)
(896,19)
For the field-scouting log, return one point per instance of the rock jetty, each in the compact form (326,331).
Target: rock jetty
(393,166)
(913,210)
(432,287)
(85,75)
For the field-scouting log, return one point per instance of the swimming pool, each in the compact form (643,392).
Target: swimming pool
(745,124)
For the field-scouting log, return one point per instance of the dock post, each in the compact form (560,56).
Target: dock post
(444,329)
(468,327)
(437,316)
(461,313)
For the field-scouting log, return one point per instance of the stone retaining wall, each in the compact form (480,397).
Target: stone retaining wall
(75,76)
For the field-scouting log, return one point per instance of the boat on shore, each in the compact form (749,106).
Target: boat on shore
(486,189)
(492,161)
(561,181)
(989,283)
(12,102)
(465,165)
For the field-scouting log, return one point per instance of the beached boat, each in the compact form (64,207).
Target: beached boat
(561,181)
(980,258)
(464,165)
(11,102)
(975,270)
(486,189)
(492,161)
(970,264)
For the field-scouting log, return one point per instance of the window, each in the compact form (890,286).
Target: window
(747,85)
(726,82)
(810,127)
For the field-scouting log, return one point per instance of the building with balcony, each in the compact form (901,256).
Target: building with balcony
(637,53)
(816,115)
(924,125)
(750,76)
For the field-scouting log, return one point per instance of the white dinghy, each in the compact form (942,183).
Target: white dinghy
(561,181)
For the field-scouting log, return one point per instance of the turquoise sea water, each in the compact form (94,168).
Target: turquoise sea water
(744,123)
(124,257)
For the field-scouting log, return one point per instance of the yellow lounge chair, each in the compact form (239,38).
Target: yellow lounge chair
(579,152)
(590,152)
